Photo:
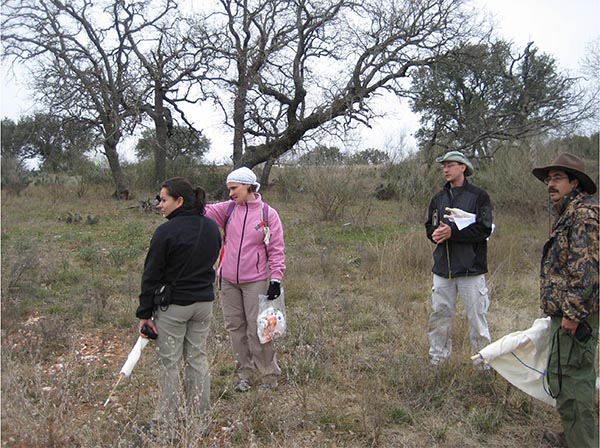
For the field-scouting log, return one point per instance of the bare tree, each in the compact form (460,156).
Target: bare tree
(590,66)
(81,64)
(295,68)
(170,65)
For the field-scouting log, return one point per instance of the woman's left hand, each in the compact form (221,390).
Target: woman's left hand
(274,290)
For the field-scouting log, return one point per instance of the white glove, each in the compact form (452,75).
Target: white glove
(457,213)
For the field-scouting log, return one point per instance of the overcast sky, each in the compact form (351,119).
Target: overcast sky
(561,28)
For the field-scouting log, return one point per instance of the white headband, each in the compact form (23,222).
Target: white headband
(243,175)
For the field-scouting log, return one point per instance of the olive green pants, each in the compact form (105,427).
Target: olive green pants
(183,331)
(575,401)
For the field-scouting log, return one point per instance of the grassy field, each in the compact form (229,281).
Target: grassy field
(354,361)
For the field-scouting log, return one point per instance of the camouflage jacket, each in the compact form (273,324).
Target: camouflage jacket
(569,268)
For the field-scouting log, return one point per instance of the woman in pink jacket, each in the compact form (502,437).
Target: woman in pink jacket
(253,263)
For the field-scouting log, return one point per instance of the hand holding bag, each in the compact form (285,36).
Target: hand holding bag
(271,321)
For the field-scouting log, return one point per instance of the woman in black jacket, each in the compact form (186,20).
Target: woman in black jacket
(182,255)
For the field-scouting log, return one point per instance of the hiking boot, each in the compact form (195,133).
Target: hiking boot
(267,387)
(203,429)
(205,432)
(480,365)
(555,439)
(437,362)
(154,432)
(148,430)
(242,386)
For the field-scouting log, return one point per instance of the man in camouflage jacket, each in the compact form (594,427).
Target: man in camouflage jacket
(569,294)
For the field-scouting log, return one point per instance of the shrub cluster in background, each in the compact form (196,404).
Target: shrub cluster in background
(330,178)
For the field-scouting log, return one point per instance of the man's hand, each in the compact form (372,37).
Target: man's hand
(569,326)
(442,233)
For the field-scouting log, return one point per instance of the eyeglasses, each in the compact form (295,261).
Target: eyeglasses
(554,179)
(448,165)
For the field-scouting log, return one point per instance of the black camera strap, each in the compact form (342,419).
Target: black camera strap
(555,338)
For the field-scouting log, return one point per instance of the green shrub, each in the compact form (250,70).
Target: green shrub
(15,177)
(401,415)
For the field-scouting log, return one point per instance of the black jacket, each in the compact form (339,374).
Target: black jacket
(170,248)
(467,248)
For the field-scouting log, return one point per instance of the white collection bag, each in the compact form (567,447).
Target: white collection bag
(271,322)
(522,358)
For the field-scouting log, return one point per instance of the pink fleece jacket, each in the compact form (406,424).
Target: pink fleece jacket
(246,258)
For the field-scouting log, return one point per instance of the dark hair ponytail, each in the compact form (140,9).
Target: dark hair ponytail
(200,199)
(192,197)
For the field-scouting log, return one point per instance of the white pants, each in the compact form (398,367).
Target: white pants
(474,294)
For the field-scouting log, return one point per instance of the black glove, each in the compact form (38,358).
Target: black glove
(274,291)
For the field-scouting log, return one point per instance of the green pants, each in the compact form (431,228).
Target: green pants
(575,402)
(183,331)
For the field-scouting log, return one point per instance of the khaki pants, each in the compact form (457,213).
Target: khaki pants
(240,310)
(474,294)
(183,331)
(575,402)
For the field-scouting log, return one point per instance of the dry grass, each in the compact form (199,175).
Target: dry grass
(355,365)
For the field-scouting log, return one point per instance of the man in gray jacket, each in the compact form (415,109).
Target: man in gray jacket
(460,256)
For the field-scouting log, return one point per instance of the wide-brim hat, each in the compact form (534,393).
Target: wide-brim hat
(571,164)
(457,156)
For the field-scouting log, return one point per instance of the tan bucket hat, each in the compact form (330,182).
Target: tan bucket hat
(457,156)
(571,164)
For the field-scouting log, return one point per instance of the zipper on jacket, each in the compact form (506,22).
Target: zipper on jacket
(237,271)
(451,200)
